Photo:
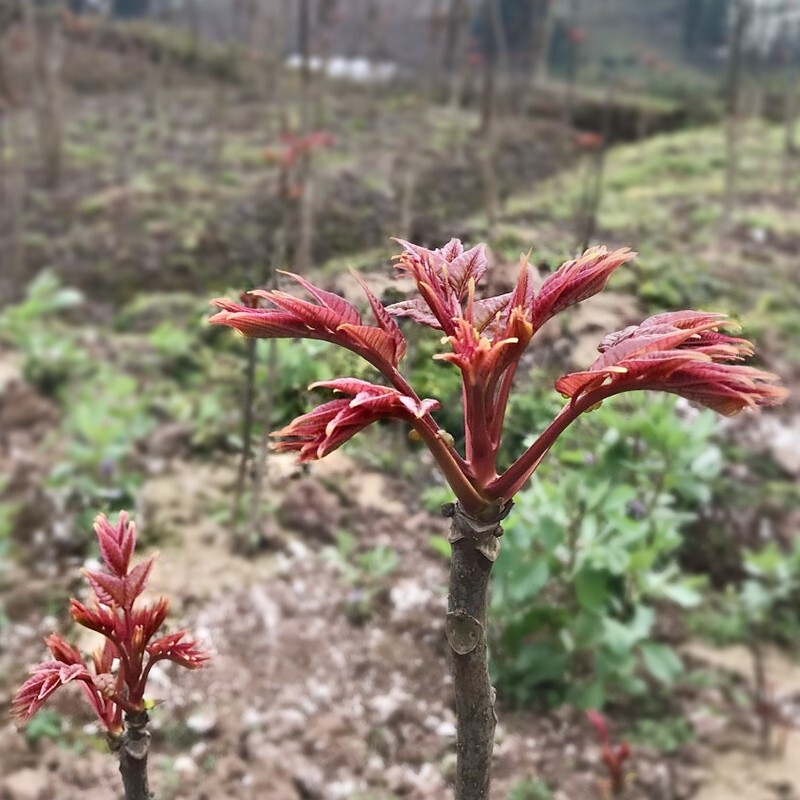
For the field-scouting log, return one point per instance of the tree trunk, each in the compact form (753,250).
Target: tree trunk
(488,93)
(278,246)
(16,187)
(475,547)
(501,57)
(490,188)
(304,44)
(305,216)
(574,63)
(302,260)
(408,183)
(593,185)
(373,56)
(133,752)
(791,101)
(452,37)
(542,34)
(457,70)
(734,80)
(44,28)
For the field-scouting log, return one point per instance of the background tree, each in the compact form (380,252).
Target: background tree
(742,14)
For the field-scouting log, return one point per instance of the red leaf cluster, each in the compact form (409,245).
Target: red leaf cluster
(331,318)
(589,140)
(687,353)
(682,352)
(330,425)
(294,147)
(575,35)
(117,681)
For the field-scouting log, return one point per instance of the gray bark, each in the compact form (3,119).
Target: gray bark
(475,544)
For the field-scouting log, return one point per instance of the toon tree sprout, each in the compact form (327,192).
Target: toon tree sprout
(115,684)
(689,353)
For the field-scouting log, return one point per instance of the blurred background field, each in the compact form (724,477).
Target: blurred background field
(155,156)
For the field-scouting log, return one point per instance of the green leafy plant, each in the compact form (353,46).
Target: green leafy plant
(8,513)
(530,789)
(764,607)
(591,551)
(761,607)
(50,353)
(364,571)
(666,734)
(45,725)
(105,417)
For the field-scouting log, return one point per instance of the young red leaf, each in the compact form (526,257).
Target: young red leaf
(62,651)
(116,542)
(416,309)
(45,680)
(683,353)
(109,589)
(577,280)
(136,581)
(173,648)
(373,340)
(330,425)
(384,319)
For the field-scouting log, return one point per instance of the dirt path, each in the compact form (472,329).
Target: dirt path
(746,776)
(739,773)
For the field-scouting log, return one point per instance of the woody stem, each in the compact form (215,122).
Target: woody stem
(402,385)
(510,482)
(133,750)
(474,545)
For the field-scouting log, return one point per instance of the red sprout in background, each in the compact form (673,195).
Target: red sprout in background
(288,156)
(589,140)
(576,36)
(614,756)
(294,146)
(117,679)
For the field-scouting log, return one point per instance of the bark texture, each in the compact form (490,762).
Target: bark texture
(475,544)
(133,750)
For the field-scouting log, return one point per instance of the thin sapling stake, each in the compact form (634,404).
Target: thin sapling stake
(247,422)
(790,113)
(454,46)
(742,13)
(772,583)
(44,27)
(594,146)
(12,171)
(688,353)
(115,680)
(294,157)
(543,20)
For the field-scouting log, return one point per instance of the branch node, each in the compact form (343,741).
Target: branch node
(136,739)
(483,530)
(463,631)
